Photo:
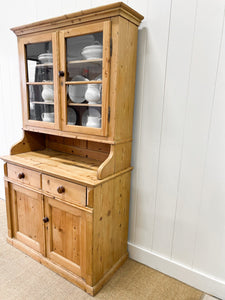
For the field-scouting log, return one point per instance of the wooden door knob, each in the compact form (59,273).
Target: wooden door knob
(61,73)
(60,189)
(21,175)
(45,219)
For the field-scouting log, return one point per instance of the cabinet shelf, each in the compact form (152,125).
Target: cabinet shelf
(94,60)
(44,65)
(40,83)
(84,82)
(84,104)
(40,102)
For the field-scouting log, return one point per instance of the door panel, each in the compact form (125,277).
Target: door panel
(28,212)
(65,235)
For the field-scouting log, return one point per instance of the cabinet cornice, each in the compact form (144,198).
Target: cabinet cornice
(93,14)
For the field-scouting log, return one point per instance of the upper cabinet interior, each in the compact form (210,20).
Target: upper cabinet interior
(78,73)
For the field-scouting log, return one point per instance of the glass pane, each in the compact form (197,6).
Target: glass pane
(41,102)
(84,116)
(84,56)
(84,93)
(88,70)
(40,69)
(39,62)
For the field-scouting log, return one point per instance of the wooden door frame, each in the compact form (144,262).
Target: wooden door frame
(105,27)
(39,38)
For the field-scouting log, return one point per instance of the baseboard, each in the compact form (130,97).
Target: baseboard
(192,277)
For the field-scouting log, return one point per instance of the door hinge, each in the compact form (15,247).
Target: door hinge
(109,114)
(110,46)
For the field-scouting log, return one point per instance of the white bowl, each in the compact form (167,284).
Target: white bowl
(92,52)
(45,58)
(76,44)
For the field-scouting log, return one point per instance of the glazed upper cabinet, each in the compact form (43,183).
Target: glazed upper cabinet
(65,79)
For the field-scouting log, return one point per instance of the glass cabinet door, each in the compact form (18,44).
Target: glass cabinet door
(85,66)
(39,92)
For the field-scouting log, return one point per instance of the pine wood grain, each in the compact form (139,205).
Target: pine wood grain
(27,214)
(110,224)
(93,150)
(30,177)
(73,193)
(8,210)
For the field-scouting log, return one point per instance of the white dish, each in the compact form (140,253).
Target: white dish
(45,58)
(77,91)
(71,116)
(92,52)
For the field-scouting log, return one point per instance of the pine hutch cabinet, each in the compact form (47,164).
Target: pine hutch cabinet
(67,182)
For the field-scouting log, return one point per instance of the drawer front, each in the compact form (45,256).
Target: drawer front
(65,190)
(24,175)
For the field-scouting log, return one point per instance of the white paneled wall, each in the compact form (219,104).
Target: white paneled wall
(177,210)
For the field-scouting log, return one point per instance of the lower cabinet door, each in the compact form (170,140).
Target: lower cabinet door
(66,235)
(27,215)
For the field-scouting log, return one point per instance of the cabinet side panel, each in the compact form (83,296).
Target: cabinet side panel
(8,209)
(31,141)
(97,235)
(87,270)
(113,76)
(122,155)
(125,78)
(111,210)
(121,214)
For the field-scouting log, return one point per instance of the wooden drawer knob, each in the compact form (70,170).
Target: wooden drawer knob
(60,189)
(21,175)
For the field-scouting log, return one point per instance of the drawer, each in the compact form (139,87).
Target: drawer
(24,175)
(65,190)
